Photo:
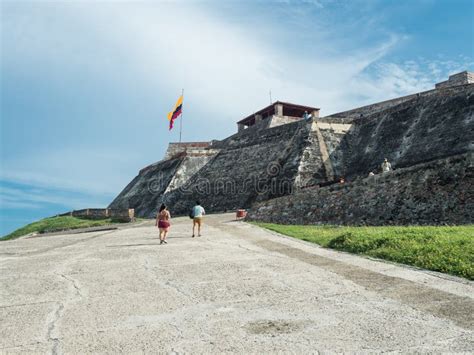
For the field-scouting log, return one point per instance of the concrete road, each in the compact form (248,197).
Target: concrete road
(237,289)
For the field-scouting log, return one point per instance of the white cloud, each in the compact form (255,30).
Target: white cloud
(229,68)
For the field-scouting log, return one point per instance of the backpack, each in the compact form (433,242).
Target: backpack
(191,213)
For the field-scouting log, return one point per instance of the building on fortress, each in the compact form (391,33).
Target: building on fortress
(276,114)
(462,78)
(276,158)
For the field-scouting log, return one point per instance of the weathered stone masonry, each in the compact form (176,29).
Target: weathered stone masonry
(256,163)
(436,192)
(424,128)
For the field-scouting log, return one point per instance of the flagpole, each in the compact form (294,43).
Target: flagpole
(181,118)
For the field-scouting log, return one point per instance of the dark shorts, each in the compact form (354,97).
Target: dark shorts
(163,224)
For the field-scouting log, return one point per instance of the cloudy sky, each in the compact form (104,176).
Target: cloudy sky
(86,85)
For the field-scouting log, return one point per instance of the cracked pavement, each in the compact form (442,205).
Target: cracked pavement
(236,289)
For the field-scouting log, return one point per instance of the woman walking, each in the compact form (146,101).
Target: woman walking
(163,222)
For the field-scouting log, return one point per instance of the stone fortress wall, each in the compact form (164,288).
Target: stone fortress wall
(190,149)
(456,80)
(423,129)
(145,191)
(350,116)
(437,192)
(270,158)
(462,78)
(245,168)
(119,215)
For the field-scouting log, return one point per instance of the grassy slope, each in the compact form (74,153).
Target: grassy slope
(56,224)
(445,249)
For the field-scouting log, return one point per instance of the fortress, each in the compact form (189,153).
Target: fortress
(286,168)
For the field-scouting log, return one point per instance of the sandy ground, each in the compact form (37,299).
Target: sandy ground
(236,289)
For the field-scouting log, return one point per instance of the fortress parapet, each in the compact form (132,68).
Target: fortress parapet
(190,149)
(276,114)
(454,83)
(462,78)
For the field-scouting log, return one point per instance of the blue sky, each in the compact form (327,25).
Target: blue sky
(86,85)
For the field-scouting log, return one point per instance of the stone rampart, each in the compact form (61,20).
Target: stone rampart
(189,166)
(431,127)
(456,83)
(147,186)
(462,78)
(361,112)
(121,215)
(248,166)
(438,192)
(144,193)
(190,148)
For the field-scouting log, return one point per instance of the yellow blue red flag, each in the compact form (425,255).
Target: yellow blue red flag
(176,112)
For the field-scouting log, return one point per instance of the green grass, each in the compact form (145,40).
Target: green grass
(445,249)
(55,224)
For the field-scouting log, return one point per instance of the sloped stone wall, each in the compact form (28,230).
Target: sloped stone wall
(428,128)
(248,167)
(361,113)
(311,168)
(333,141)
(438,192)
(364,111)
(143,191)
(189,166)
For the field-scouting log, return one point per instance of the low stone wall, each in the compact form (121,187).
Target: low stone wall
(363,111)
(438,192)
(462,78)
(175,149)
(121,215)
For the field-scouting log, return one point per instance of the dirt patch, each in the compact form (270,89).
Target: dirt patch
(273,327)
(132,245)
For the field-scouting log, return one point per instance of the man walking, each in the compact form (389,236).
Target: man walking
(198,212)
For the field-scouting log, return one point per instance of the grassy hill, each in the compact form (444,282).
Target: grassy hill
(56,224)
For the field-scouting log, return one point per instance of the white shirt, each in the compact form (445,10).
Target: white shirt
(198,211)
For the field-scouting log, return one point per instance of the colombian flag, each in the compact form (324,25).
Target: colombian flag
(176,112)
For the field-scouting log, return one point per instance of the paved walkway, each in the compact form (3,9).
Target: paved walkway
(236,289)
